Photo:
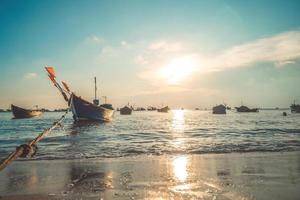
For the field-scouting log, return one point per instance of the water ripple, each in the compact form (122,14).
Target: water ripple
(152,133)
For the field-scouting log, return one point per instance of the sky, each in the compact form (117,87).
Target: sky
(160,52)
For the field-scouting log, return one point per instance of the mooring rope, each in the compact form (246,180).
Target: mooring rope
(29,150)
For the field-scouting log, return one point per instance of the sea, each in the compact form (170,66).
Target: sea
(154,133)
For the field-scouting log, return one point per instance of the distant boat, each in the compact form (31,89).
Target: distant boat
(140,109)
(220,109)
(284,114)
(126,110)
(164,109)
(295,108)
(246,109)
(19,112)
(151,108)
(83,110)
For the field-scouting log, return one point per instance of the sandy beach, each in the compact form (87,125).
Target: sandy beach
(207,176)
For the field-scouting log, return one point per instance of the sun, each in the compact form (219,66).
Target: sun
(177,70)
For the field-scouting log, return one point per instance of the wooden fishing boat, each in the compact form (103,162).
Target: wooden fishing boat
(19,112)
(295,108)
(246,109)
(151,108)
(164,109)
(82,109)
(126,110)
(220,109)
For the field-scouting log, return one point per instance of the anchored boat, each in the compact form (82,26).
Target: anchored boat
(126,110)
(164,109)
(19,112)
(220,109)
(83,110)
(246,109)
(295,108)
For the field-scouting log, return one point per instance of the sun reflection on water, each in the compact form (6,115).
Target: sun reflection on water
(178,128)
(180,168)
(178,121)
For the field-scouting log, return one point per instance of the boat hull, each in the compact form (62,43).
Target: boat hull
(295,108)
(20,113)
(85,111)
(125,111)
(220,109)
(246,109)
(164,109)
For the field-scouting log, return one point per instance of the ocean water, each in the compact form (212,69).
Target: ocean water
(153,133)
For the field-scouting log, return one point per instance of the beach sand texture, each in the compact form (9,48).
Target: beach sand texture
(208,176)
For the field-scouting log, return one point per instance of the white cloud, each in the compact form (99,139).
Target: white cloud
(124,43)
(165,46)
(283,63)
(30,75)
(93,39)
(282,48)
(140,60)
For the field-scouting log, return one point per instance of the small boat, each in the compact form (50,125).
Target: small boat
(151,108)
(19,112)
(284,114)
(164,109)
(140,109)
(82,109)
(246,109)
(220,109)
(126,110)
(295,108)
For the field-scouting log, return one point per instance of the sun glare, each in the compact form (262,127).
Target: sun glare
(180,168)
(178,70)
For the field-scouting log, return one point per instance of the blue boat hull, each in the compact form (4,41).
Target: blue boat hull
(83,110)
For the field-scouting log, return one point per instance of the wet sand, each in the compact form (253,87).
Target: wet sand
(210,176)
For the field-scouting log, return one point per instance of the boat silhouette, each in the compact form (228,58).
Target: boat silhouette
(82,109)
(19,112)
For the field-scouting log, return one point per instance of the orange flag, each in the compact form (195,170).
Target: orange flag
(51,72)
(66,86)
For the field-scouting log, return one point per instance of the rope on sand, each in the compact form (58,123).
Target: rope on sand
(29,150)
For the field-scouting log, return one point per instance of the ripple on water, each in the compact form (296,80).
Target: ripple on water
(180,132)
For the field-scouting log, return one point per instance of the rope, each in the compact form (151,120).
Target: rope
(29,150)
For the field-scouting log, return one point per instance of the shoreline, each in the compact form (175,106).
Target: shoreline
(142,156)
(259,175)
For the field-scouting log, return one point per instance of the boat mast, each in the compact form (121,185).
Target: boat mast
(95,87)
(96,101)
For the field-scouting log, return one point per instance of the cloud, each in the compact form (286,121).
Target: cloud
(282,49)
(93,39)
(283,63)
(140,60)
(30,75)
(165,46)
(124,43)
